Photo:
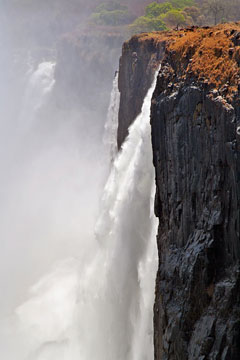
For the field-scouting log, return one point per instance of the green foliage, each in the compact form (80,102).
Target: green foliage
(161,16)
(174,18)
(147,24)
(171,14)
(112,18)
(111,13)
(154,9)
(180,4)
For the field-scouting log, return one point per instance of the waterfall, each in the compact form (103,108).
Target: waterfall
(111,125)
(40,83)
(100,306)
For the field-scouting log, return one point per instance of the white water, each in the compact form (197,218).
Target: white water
(50,183)
(39,85)
(98,304)
(111,125)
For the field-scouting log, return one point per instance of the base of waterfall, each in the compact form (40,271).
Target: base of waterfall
(99,307)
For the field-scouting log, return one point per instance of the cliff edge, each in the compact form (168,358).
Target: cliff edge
(195,120)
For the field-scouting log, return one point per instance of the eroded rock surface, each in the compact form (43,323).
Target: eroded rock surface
(196,155)
(195,121)
(138,63)
(196,150)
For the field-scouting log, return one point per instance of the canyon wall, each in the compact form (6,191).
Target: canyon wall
(195,119)
(140,59)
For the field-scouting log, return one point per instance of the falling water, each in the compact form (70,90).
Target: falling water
(50,184)
(40,82)
(102,308)
(111,125)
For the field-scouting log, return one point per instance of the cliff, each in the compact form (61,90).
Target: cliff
(195,119)
(139,61)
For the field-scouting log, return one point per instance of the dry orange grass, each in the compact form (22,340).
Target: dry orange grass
(212,55)
(207,54)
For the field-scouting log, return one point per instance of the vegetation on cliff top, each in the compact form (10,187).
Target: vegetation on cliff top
(209,55)
(111,13)
(46,21)
(160,16)
(163,15)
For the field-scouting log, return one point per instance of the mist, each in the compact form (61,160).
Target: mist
(61,181)
(52,168)
(50,177)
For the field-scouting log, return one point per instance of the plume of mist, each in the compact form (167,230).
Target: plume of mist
(53,166)
(104,295)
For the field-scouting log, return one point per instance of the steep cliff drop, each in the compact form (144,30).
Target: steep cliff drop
(195,123)
(98,304)
(195,117)
(101,309)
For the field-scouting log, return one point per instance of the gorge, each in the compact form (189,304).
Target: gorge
(195,139)
(174,118)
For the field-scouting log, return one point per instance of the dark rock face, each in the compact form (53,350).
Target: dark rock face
(195,119)
(138,64)
(196,149)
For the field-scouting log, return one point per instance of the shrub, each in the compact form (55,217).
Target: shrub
(112,18)
(154,9)
(174,18)
(180,4)
(146,24)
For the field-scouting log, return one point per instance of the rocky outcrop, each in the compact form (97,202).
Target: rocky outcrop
(196,156)
(195,119)
(197,160)
(140,58)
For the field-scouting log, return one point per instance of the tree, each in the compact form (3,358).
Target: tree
(174,18)
(146,24)
(216,8)
(232,10)
(111,18)
(193,11)
(111,13)
(154,9)
(195,14)
(180,4)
